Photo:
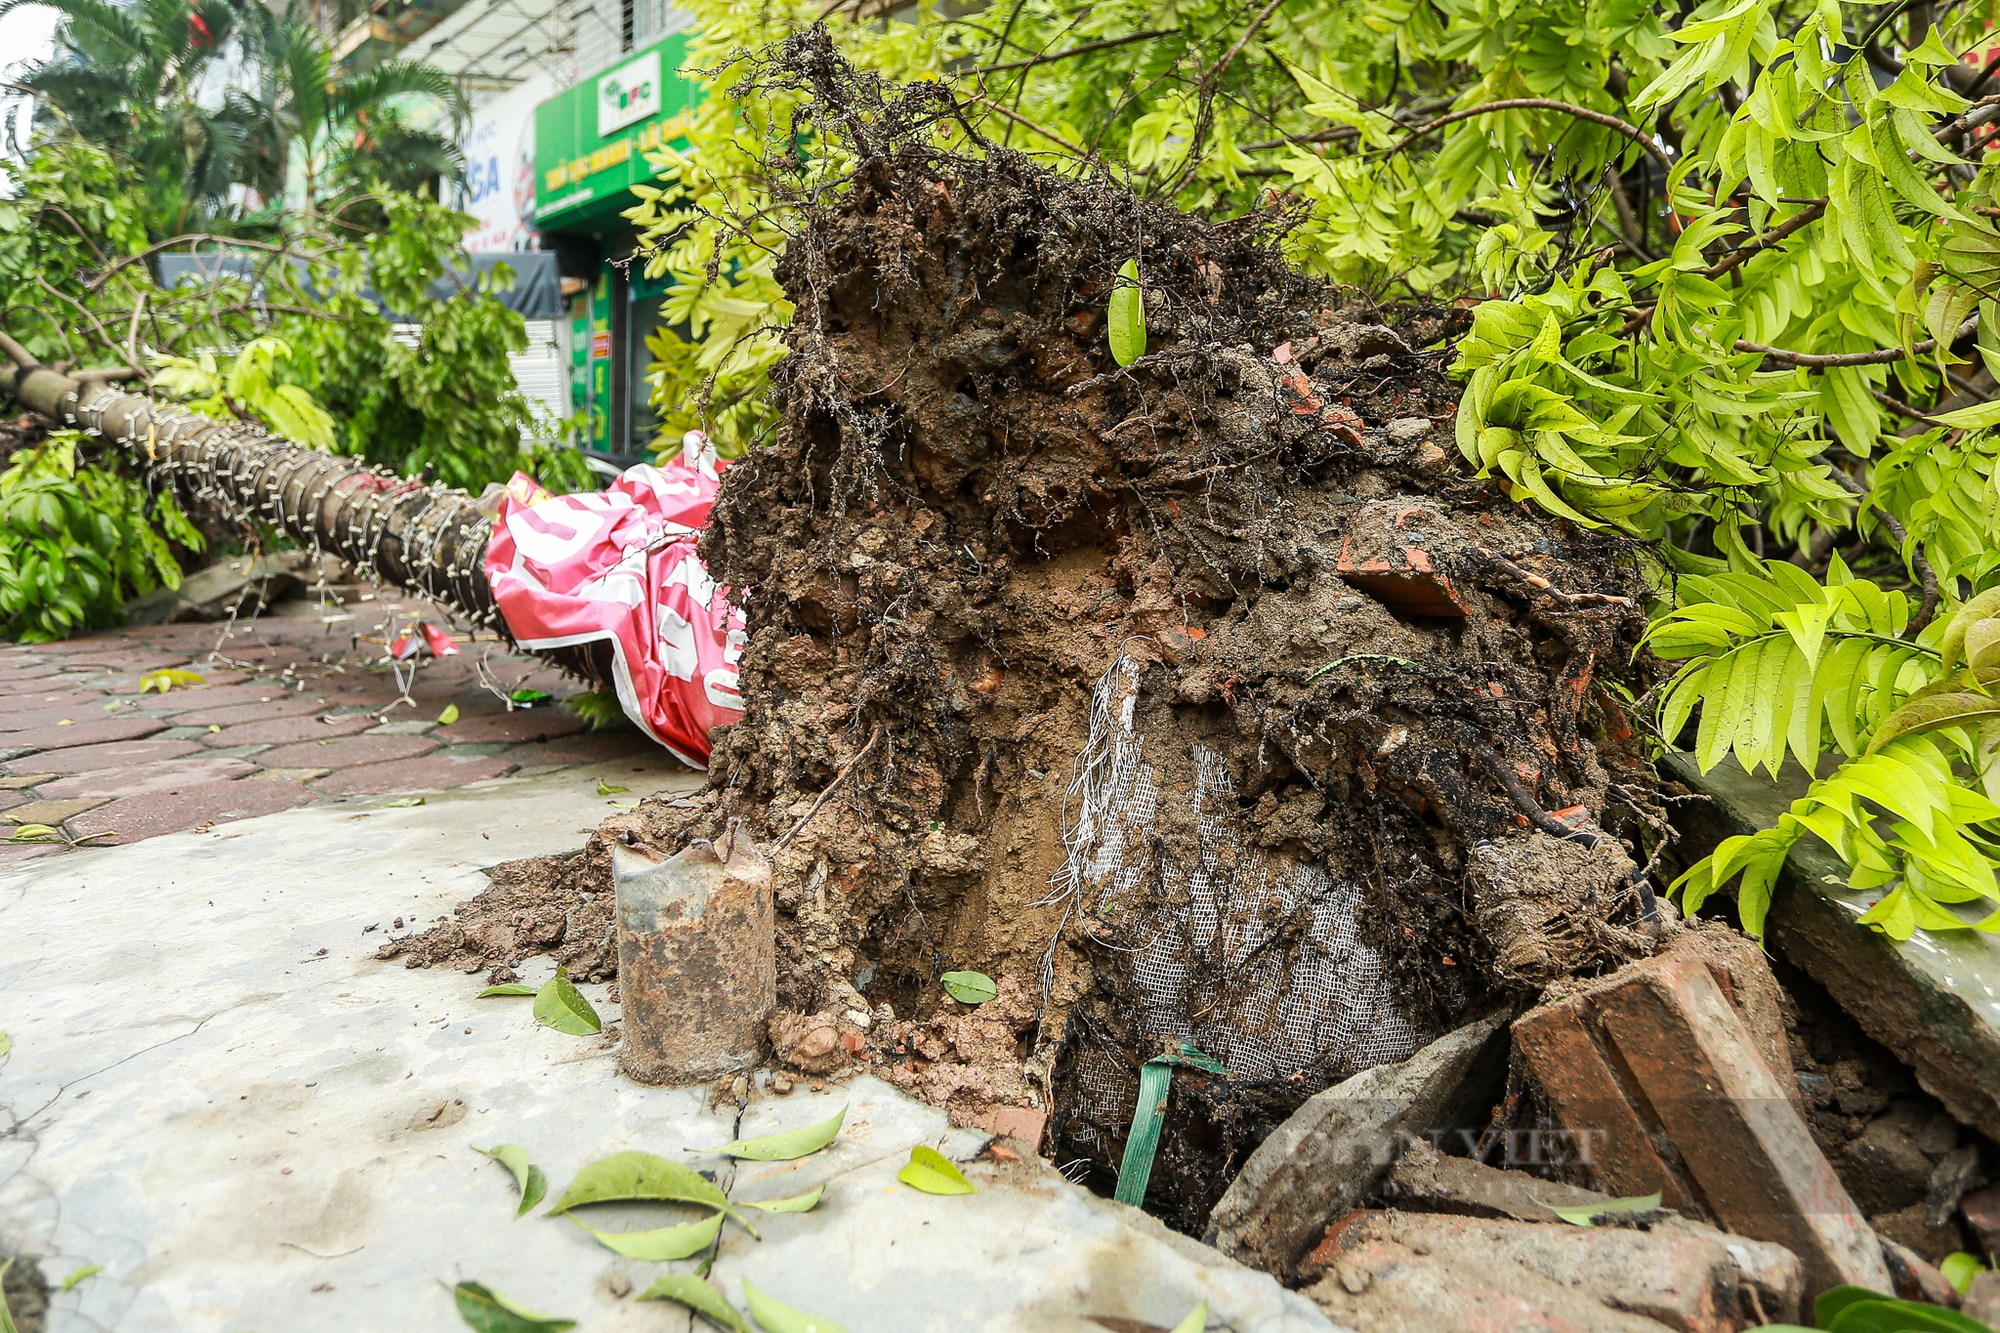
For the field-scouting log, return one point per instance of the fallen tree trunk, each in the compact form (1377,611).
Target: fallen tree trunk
(428,539)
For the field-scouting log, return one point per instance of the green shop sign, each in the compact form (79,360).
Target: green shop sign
(591,140)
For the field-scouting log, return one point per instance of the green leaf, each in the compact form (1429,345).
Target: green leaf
(1829,1303)
(932,1172)
(92,1270)
(448,716)
(784,1147)
(6,1315)
(610,789)
(166,678)
(1977,417)
(663,1244)
(798,1203)
(507,988)
(1196,1321)
(1127,316)
(34,833)
(401,803)
(533,1184)
(1959,1268)
(1914,718)
(1882,1314)
(969,987)
(488,1311)
(1979,607)
(638,1175)
(560,1005)
(1581,1214)
(697,1295)
(6,1044)
(777,1317)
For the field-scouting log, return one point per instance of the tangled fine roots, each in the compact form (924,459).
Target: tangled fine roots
(1202,701)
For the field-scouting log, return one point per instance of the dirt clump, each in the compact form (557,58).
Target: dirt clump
(1204,701)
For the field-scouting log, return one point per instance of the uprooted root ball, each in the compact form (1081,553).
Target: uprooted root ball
(1205,700)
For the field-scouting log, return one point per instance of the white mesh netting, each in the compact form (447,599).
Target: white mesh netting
(1251,957)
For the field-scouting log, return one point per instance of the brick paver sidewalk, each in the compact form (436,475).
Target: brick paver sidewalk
(295,706)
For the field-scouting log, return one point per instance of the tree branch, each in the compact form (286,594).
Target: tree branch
(1884,357)
(1814,210)
(1610,122)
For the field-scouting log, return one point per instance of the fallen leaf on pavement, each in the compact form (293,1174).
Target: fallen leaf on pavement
(533,1184)
(784,1147)
(932,1172)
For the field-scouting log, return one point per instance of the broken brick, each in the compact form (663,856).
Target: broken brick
(1658,1058)
(1405,581)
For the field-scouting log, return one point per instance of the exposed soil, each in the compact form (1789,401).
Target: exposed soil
(1206,700)
(26,1294)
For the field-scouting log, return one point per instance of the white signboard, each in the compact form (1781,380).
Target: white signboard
(627,94)
(499,185)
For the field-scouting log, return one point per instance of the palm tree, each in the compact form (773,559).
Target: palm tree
(348,130)
(145,79)
(135,79)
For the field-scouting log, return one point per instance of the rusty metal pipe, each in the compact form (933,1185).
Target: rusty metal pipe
(697,959)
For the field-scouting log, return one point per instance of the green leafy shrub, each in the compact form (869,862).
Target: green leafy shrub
(77,540)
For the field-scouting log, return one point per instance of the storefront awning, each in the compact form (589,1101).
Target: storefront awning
(536,293)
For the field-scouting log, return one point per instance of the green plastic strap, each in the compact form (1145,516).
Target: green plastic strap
(1142,1141)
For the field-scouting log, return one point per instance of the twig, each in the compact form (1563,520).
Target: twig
(1541,584)
(1895,404)
(1086,47)
(17,353)
(1243,41)
(1628,221)
(1814,210)
(1632,132)
(1025,123)
(839,778)
(191,240)
(1210,80)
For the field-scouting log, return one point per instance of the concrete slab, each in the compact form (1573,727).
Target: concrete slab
(218,1094)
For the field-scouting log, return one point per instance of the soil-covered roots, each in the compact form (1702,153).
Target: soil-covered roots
(1205,700)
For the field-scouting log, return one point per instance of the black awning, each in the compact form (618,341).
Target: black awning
(536,293)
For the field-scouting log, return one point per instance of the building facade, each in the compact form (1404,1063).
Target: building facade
(590,145)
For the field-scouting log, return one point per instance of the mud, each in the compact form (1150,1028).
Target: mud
(1185,695)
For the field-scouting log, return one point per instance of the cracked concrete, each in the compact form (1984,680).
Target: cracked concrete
(218,1094)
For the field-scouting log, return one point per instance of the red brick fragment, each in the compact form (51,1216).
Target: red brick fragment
(1406,582)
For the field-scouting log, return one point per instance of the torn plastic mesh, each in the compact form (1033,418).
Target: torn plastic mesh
(1252,957)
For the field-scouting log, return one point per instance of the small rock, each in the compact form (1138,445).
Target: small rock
(779,1086)
(1916,1279)
(1982,1299)
(1332,1151)
(1956,1172)
(619,1285)
(808,1042)
(1408,430)
(1981,1211)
